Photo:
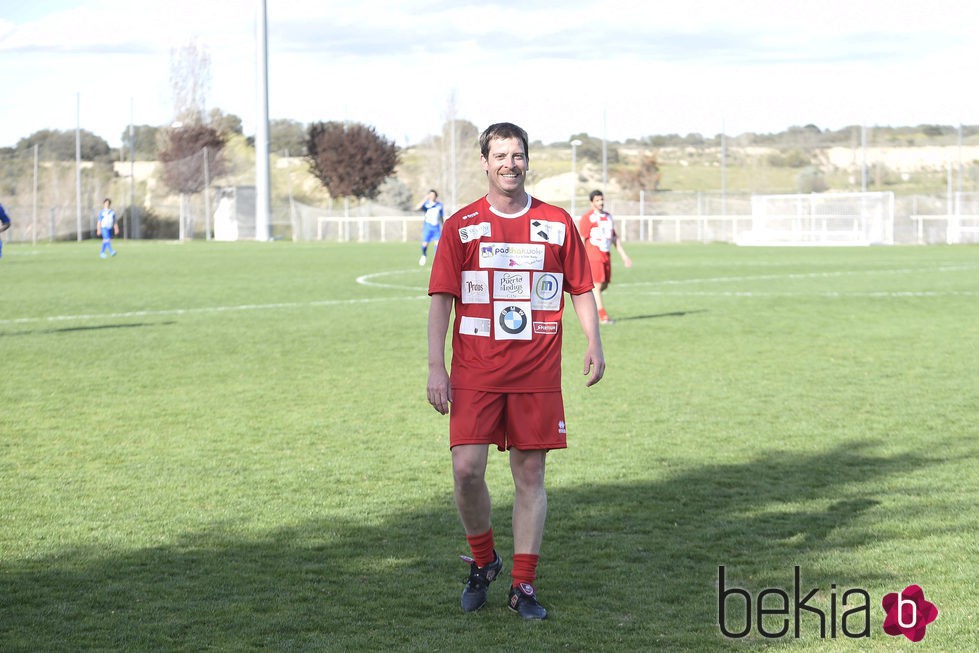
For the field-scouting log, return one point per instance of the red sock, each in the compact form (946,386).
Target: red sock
(524,568)
(482,547)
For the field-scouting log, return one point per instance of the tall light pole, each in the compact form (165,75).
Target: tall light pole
(78,163)
(263,199)
(574,173)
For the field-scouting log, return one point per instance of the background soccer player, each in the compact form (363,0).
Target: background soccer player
(108,227)
(504,264)
(432,227)
(598,232)
(4,225)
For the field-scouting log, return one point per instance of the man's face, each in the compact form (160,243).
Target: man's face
(598,203)
(506,165)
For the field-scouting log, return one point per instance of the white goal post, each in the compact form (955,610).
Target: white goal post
(821,219)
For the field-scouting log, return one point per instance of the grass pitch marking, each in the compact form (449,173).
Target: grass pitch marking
(799,275)
(830,294)
(368,280)
(204,310)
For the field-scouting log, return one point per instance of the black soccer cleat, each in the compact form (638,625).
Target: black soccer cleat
(477,585)
(523,601)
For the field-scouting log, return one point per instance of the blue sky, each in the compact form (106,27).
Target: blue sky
(619,68)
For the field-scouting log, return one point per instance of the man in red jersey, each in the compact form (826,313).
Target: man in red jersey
(598,232)
(503,264)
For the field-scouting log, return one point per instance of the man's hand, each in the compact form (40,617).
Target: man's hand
(439,389)
(595,365)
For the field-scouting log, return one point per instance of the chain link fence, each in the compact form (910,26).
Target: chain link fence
(57,200)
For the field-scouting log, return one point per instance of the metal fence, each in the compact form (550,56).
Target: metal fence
(698,217)
(65,202)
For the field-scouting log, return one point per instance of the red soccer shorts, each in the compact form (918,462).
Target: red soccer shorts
(601,269)
(526,421)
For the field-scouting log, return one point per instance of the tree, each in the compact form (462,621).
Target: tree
(287,136)
(227,124)
(350,159)
(190,80)
(811,180)
(591,149)
(183,161)
(645,175)
(146,140)
(55,145)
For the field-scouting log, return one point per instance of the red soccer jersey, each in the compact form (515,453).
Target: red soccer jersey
(508,274)
(598,230)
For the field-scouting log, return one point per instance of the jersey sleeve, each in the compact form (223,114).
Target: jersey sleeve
(577,271)
(446,276)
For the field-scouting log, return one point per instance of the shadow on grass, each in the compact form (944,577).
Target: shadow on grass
(629,566)
(97,327)
(659,315)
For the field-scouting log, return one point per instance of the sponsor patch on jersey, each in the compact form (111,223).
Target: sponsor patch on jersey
(511,285)
(543,231)
(512,320)
(475,231)
(546,293)
(475,287)
(545,328)
(475,326)
(510,256)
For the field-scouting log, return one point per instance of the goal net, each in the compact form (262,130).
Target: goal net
(821,219)
(963,224)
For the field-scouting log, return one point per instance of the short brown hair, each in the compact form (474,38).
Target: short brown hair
(502,130)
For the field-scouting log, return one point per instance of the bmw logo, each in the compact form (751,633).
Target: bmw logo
(513,320)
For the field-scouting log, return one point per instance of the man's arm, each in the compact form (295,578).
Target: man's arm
(587,312)
(618,246)
(439,390)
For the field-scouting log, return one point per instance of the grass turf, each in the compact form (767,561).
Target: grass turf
(227,446)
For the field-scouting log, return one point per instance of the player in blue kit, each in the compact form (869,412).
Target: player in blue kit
(108,227)
(4,225)
(432,228)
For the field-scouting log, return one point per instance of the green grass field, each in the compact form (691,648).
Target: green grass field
(210,446)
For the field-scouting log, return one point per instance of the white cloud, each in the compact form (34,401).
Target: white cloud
(556,67)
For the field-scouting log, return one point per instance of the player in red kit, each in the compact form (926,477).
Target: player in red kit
(503,265)
(598,231)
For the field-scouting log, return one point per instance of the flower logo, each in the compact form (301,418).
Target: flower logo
(908,613)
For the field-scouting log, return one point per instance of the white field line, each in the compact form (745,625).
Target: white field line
(369,281)
(204,310)
(798,275)
(748,293)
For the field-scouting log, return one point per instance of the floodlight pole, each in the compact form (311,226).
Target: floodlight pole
(723,168)
(133,231)
(574,173)
(604,150)
(263,203)
(34,208)
(78,164)
(863,163)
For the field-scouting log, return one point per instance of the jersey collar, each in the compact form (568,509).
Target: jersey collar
(512,215)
